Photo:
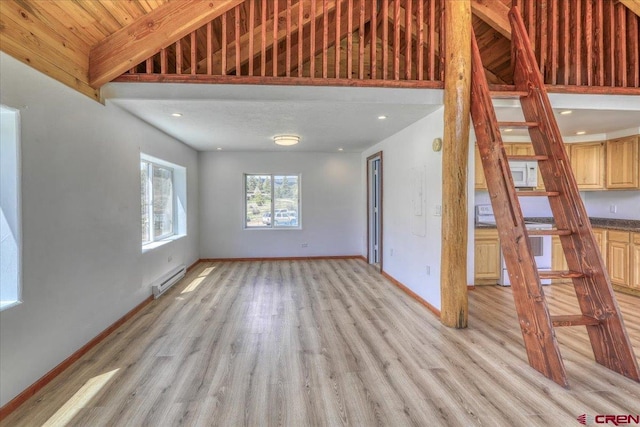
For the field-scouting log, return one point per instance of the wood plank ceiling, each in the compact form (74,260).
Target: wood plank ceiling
(58,37)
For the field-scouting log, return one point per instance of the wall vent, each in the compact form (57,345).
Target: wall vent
(160,285)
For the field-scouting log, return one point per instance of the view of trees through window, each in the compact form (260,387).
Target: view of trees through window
(156,201)
(272,201)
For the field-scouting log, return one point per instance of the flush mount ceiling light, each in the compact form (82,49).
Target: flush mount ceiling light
(382,117)
(581,132)
(565,112)
(340,149)
(508,130)
(286,139)
(176,114)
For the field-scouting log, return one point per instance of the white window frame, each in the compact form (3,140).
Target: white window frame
(178,202)
(272,225)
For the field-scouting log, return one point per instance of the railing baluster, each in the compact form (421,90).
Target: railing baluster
(408,18)
(250,28)
(337,42)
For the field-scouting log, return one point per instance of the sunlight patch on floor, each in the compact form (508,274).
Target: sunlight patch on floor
(196,282)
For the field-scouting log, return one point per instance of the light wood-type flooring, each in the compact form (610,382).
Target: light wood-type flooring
(325,342)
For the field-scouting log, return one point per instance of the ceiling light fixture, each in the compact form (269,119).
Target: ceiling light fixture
(177,114)
(219,148)
(508,130)
(581,132)
(286,139)
(382,117)
(340,149)
(565,112)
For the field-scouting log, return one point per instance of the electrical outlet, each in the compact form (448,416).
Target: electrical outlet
(438,210)
(613,209)
(428,270)
(391,251)
(305,245)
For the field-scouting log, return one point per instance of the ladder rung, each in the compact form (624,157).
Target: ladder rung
(518,124)
(574,320)
(507,94)
(538,193)
(549,232)
(559,274)
(531,157)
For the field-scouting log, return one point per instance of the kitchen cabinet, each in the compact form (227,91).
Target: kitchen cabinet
(588,165)
(487,267)
(558,260)
(480,181)
(623,163)
(618,257)
(601,239)
(635,273)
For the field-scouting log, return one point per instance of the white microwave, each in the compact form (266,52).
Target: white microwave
(525,174)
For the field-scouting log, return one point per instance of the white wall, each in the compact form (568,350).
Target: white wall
(331,209)
(403,153)
(82,263)
(598,204)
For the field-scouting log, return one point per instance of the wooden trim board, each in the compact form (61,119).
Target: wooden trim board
(302,258)
(411,294)
(13,404)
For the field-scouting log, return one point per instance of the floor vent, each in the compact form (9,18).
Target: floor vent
(163,283)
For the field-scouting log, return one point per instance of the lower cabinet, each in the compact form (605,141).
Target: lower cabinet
(558,260)
(635,270)
(487,265)
(618,257)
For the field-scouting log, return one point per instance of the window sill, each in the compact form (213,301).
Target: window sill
(8,304)
(272,228)
(154,245)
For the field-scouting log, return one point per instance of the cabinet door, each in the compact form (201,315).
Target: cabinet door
(588,165)
(618,256)
(558,260)
(521,149)
(623,158)
(487,264)
(601,239)
(480,182)
(635,267)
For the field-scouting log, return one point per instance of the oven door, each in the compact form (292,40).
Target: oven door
(541,251)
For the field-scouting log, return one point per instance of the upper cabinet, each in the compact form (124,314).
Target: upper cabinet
(623,163)
(481,183)
(588,164)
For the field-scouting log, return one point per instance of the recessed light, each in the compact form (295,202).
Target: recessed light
(219,148)
(382,117)
(176,114)
(565,112)
(286,139)
(508,130)
(340,149)
(581,132)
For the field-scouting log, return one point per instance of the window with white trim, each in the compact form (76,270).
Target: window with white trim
(272,201)
(163,200)
(10,223)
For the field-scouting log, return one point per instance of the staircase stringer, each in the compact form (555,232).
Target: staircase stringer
(533,314)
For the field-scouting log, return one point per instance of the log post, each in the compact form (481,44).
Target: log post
(457,98)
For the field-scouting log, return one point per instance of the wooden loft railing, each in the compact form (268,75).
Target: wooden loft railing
(584,43)
(391,43)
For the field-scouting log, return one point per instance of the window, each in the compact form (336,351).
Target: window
(10,224)
(272,201)
(162,202)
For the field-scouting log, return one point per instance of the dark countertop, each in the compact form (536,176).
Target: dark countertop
(605,223)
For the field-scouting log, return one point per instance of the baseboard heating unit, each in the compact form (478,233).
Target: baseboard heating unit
(160,285)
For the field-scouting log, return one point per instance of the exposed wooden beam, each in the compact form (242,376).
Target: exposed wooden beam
(495,14)
(147,35)
(632,5)
(457,102)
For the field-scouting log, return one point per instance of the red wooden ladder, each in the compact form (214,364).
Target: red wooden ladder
(600,311)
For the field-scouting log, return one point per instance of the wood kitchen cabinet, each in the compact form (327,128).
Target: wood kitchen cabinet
(487,265)
(480,181)
(623,163)
(558,260)
(601,239)
(635,264)
(618,257)
(588,165)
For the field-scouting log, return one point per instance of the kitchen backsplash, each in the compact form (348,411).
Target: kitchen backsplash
(598,203)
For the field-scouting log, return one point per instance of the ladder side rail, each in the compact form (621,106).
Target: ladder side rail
(533,314)
(609,339)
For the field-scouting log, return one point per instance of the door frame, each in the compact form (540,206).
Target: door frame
(372,157)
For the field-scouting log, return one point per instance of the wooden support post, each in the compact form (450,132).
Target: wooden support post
(457,99)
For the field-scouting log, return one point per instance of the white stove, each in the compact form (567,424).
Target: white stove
(540,245)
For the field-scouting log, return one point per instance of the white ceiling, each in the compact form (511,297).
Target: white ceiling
(246,118)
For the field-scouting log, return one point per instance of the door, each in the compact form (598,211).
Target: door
(374,209)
